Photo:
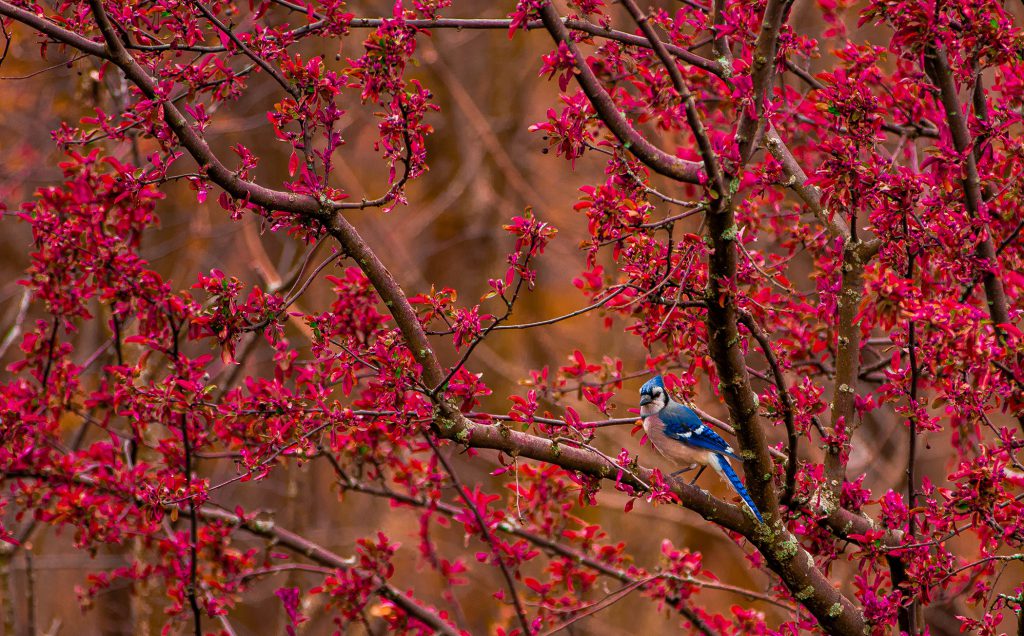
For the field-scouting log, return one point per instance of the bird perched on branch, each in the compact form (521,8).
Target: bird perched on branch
(679,434)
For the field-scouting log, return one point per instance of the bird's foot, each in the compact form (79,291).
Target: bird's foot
(694,480)
(684,470)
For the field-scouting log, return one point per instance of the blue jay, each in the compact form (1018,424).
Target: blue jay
(678,434)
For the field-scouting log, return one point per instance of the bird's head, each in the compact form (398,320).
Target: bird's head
(653,396)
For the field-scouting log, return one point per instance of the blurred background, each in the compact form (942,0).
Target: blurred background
(485,168)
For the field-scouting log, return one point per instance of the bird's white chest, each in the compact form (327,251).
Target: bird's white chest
(682,454)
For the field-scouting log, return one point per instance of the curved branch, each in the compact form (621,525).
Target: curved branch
(58,33)
(194,143)
(394,297)
(782,552)
(115,52)
(651,156)
(693,118)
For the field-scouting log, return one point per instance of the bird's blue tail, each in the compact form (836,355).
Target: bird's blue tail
(726,470)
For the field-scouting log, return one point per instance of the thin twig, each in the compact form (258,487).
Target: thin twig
(259,61)
(607,601)
(784,397)
(611,462)
(485,530)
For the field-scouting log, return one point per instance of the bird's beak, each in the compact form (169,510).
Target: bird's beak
(645,400)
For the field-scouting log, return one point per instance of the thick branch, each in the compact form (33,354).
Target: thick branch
(761,73)
(936,64)
(797,181)
(836,613)
(847,370)
(392,294)
(44,26)
(856,254)
(726,351)
(781,550)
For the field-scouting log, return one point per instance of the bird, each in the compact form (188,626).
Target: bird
(679,434)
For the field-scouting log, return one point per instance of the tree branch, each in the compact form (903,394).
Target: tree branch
(693,118)
(847,372)
(761,73)
(485,531)
(259,61)
(711,66)
(651,156)
(550,545)
(784,397)
(936,66)
(797,181)
(269,530)
(190,139)
(318,554)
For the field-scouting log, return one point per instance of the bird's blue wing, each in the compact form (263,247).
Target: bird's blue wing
(683,425)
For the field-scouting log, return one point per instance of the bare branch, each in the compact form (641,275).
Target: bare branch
(784,397)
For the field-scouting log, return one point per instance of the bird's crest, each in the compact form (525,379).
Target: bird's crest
(648,386)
